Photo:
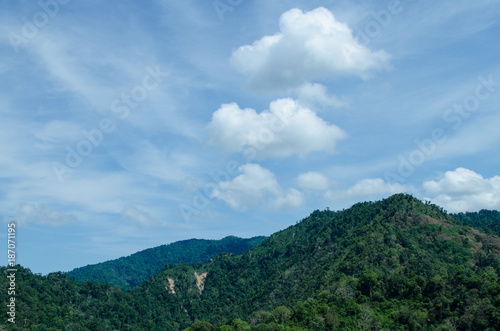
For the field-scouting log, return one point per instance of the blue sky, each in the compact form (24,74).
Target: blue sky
(126,125)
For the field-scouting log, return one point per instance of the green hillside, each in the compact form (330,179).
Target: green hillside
(486,220)
(396,264)
(390,264)
(130,271)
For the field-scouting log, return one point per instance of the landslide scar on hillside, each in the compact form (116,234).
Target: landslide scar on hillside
(171,286)
(200,280)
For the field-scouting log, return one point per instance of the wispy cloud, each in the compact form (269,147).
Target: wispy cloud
(39,214)
(138,216)
(313,181)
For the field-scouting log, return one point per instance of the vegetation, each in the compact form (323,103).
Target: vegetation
(130,271)
(396,264)
(486,220)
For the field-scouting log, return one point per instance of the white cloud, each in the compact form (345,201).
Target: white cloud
(465,190)
(292,198)
(285,129)
(58,132)
(164,164)
(375,186)
(313,181)
(474,135)
(138,216)
(309,46)
(254,186)
(316,94)
(39,214)
(371,188)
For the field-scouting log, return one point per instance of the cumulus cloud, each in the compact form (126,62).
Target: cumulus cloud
(256,185)
(285,129)
(313,181)
(310,45)
(39,214)
(465,190)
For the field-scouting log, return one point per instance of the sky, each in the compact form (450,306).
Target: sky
(126,125)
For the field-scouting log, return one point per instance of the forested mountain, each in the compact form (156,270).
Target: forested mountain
(130,271)
(486,220)
(396,264)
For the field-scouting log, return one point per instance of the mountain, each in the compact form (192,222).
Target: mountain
(486,220)
(395,264)
(130,271)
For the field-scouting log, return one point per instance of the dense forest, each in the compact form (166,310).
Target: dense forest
(395,264)
(486,220)
(130,271)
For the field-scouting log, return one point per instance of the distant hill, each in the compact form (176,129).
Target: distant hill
(486,220)
(395,264)
(130,271)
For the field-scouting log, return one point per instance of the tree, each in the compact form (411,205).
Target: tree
(368,279)
(282,314)
(202,326)
(240,325)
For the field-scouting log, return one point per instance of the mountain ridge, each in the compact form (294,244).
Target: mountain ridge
(129,271)
(387,239)
(486,220)
(393,264)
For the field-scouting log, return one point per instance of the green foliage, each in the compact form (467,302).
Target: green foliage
(239,325)
(201,326)
(282,315)
(486,220)
(130,271)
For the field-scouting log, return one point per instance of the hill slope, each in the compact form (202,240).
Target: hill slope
(486,220)
(392,264)
(130,271)
(386,264)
